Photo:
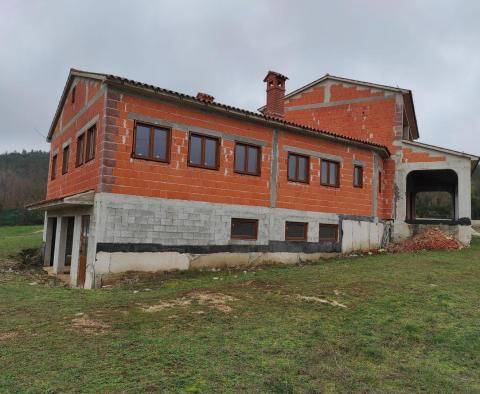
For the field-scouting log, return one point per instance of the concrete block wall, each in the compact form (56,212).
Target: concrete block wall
(134,219)
(361,235)
(128,228)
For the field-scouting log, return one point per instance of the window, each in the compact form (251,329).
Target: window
(73,94)
(358,176)
(152,143)
(66,155)
(244,228)
(298,166)
(247,159)
(296,231)
(91,141)
(328,233)
(379,181)
(80,149)
(203,151)
(53,171)
(330,173)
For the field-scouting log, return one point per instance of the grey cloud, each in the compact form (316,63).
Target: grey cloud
(225,48)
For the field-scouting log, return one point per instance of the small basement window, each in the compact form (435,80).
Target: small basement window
(296,231)
(298,166)
(247,159)
(328,233)
(152,143)
(330,173)
(203,151)
(244,228)
(65,158)
(358,176)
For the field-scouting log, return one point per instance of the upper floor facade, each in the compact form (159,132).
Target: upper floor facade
(111,134)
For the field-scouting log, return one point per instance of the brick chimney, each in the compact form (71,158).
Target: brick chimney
(205,97)
(275,94)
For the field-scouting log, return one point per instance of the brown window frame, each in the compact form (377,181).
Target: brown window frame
(80,159)
(305,225)
(360,185)
(53,170)
(254,237)
(65,162)
(259,159)
(150,157)
(328,183)
(74,89)
(296,179)
(91,139)
(334,240)
(379,181)
(204,137)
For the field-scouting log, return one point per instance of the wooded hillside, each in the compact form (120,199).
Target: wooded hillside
(23,179)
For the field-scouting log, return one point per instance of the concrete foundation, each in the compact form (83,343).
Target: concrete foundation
(131,233)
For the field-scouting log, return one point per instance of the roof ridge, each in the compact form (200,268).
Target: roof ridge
(116,78)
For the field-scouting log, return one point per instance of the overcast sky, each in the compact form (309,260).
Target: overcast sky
(225,47)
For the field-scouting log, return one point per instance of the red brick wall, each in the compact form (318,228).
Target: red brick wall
(373,120)
(419,157)
(114,169)
(346,199)
(178,180)
(85,177)
(369,121)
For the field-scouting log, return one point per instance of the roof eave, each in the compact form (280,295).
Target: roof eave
(71,75)
(271,122)
(83,199)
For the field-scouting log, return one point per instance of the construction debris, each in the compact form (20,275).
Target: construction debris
(431,239)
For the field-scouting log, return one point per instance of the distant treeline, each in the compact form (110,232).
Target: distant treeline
(23,180)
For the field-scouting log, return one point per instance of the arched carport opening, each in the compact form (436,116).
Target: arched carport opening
(420,182)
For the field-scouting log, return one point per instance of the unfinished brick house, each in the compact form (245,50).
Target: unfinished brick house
(144,178)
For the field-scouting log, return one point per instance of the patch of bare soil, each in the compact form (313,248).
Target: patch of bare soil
(258,284)
(319,300)
(179,302)
(8,335)
(216,301)
(90,326)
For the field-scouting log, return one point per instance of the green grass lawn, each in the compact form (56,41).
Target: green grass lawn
(411,323)
(15,238)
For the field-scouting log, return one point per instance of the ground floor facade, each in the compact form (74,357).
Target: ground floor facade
(113,233)
(91,235)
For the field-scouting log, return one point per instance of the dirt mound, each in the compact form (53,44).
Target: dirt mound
(432,239)
(90,326)
(319,300)
(212,300)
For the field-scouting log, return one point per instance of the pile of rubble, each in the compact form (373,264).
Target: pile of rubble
(432,239)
